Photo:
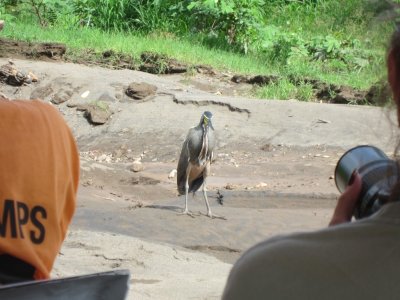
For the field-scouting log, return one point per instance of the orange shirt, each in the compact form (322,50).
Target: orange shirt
(39,173)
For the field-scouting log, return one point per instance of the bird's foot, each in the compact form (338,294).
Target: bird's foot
(212,216)
(218,217)
(186,212)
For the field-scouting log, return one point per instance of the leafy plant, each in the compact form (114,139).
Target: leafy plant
(105,14)
(47,11)
(304,92)
(282,89)
(237,21)
(4,15)
(155,16)
(102,105)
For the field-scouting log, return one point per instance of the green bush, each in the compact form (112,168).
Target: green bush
(105,14)
(236,21)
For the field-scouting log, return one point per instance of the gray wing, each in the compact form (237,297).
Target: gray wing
(182,167)
(189,153)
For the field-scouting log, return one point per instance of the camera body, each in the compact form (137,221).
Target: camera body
(378,173)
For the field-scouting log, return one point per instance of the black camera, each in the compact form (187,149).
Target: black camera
(378,173)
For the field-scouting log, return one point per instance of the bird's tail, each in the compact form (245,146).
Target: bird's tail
(193,187)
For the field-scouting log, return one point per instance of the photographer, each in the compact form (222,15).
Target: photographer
(348,260)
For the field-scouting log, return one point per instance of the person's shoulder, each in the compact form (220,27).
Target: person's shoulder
(276,245)
(291,245)
(263,268)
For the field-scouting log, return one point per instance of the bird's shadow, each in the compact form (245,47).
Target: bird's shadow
(174,208)
(178,210)
(165,207)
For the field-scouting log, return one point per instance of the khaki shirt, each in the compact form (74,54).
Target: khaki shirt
(39,173)
(358,260)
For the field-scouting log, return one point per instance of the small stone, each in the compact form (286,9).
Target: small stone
(102,157)
(87,182)
(33,77)
(85,94)
(261,185)
(230,186)
(61,96)
(267,147)
(28,79)
(140,91)
(137,166)
(97,113)
(172,173)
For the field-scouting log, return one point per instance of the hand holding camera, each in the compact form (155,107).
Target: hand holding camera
(365,176)
(347,201)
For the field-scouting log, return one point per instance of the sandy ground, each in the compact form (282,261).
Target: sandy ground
(274,166)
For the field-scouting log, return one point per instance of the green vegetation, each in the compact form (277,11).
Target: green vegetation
(100,104)
(335,41)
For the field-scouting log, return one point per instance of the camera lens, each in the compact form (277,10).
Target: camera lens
(378,178)
(378,174)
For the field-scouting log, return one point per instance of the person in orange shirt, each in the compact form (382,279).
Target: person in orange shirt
(39,174)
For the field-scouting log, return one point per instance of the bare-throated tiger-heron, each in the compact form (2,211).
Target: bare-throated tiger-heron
(195,160)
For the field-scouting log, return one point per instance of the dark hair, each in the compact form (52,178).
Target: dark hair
(394,46)
(394,51)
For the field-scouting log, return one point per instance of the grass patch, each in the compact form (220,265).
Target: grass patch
(133,44)
(100,105)
(78,41)
(285,90)
(337,42)
(305,92)
(282,90)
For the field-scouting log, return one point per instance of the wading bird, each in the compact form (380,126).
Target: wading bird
(195,159)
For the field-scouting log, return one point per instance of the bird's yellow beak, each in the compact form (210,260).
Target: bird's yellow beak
(205,121)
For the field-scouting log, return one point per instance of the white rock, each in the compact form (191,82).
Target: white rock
(172,174)
(137,166)
(85,94)
(261,184)
(102,157)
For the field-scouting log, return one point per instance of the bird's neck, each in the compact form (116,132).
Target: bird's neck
(204,146)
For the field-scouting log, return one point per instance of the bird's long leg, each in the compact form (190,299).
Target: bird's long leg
(205,175)
(209,213)
(186,210)
(206,172)
(205,197)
